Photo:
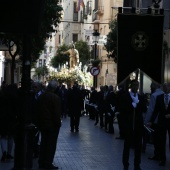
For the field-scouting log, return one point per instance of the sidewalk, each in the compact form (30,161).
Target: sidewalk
(93,149)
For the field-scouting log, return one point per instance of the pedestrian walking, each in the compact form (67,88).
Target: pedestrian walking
(75,105)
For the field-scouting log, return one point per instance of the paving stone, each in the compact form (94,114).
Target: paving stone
(93,149)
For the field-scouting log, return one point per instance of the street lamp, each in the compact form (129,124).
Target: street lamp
(95,40)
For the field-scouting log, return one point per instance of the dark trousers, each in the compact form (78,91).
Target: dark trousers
(63,109)
(168,129)
(101,118)
(109,123)
(161,142)
(48,147)
(145,139)
(121,123)
(74,121)
(111,127)
(106,121)
(87,109)
(132,138)
(36,145)
(156,140)
(92,112)
(96,116)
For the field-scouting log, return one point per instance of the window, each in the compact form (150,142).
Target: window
(75,37)
(75,7)
(75,12)
(40,62)
(96,5)
(59,39)
(84,12)
(44,62)
(89,7)
(45,49)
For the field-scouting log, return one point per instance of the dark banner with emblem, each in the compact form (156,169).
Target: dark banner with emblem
(140,42)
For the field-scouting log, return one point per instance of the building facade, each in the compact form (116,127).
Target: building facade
(81,17)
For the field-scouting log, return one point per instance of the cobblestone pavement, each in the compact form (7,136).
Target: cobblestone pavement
(93,149)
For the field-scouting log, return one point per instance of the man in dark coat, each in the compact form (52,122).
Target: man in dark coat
(92,100)
(120,117)
(110,108)
(49,122)
(132,107)
(86,95)
(75,105)
(36,91)
(62,93)
(162,113)
(100,106)
(155,91)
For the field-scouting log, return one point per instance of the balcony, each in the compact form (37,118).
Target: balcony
(95,17)
(85,13)
(100,10)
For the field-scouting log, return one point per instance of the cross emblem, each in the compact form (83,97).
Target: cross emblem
(139,41)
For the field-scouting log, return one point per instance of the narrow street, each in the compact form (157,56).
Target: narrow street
(93,149)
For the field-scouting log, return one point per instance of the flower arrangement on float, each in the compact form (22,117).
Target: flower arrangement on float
(69,76)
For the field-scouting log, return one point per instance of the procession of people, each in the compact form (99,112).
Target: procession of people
(56,102)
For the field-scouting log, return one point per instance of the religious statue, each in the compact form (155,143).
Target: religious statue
(74,56)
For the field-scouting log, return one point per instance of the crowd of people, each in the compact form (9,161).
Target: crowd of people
(47,105)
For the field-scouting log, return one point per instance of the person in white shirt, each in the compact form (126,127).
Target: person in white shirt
(155,91)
